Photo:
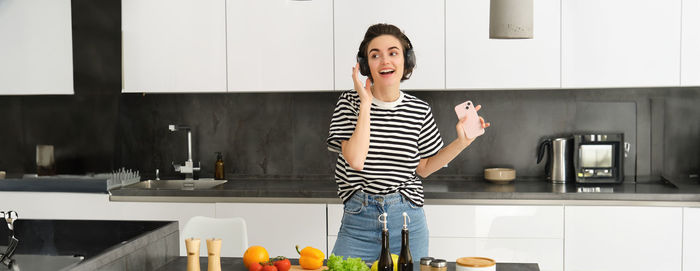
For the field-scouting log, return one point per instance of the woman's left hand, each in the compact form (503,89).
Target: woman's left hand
(462,135)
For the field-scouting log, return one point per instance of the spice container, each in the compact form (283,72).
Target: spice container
(475,264)
(425,263)
(438,265)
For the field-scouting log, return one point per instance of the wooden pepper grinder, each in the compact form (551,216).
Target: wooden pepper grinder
(192,254)
(214,251)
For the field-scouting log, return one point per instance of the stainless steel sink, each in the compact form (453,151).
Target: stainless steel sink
(176,184)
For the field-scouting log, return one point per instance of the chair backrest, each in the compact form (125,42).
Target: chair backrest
(232,232)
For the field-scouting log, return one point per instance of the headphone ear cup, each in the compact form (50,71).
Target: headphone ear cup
(364,66)
(410,60)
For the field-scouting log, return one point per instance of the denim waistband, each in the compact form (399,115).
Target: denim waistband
(373,199)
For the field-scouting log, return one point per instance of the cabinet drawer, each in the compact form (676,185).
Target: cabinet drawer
(495,221)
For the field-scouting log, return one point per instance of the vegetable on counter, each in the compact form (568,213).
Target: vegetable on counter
(310,258)
(336,263)
(255,254)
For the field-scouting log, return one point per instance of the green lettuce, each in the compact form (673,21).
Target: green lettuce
(336,263)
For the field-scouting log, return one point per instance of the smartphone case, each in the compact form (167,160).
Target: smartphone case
(473,126)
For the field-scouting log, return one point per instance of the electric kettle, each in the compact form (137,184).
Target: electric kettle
(559,166)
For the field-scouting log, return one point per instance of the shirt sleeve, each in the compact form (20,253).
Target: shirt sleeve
(429,140)
(343,121)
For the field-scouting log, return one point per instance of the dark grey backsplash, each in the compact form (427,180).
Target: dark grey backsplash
(280,134)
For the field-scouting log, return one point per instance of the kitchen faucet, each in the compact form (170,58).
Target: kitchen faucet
(188,168)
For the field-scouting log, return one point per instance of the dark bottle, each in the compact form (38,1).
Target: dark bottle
(405,259)
(219,167)
(385,263)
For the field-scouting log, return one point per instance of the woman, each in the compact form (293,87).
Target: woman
(385,138)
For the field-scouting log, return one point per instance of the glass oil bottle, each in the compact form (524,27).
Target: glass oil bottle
(385,262)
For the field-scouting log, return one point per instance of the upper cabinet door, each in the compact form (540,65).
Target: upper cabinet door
(423,21)
(620,43)
(36,47)
(279,45)
(476,62)
(690,47)
(174,45)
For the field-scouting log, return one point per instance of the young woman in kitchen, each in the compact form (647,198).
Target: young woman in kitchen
(385,138)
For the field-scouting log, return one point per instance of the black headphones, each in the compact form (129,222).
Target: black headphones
(409,61)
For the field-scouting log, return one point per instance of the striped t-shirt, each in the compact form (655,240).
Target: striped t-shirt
(401,133)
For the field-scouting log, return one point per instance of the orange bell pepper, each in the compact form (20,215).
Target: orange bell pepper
(310,258)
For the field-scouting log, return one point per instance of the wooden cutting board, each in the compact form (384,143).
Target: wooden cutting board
(298,268)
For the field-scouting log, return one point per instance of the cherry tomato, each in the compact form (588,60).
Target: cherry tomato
(283,265)
(269,268)
(255,267)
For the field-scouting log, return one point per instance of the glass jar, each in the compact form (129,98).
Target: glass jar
(438,265)
(425,263)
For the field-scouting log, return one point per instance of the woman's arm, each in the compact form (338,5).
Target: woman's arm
(431,164)
(356,148)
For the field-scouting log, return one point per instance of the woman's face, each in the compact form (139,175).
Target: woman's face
(385,59)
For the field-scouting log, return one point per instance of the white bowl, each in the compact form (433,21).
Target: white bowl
(499,175)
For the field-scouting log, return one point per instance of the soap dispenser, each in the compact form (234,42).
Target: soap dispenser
(219,167)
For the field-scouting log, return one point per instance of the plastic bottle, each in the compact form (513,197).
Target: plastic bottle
(385,263)
(219,167)
(405,259)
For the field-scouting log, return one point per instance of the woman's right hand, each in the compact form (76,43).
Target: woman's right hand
(365,92)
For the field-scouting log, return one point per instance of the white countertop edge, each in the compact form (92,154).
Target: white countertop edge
(427,201)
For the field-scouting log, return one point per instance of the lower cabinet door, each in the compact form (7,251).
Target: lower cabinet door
(278,227)
(691,238)
(623,238)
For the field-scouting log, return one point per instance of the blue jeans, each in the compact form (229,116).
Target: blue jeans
(360,230)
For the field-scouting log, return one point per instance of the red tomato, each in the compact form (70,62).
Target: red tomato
(283,265)
(269,268)
(255,267)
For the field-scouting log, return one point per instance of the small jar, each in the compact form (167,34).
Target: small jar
(438,265)
(425,263)
(475,264)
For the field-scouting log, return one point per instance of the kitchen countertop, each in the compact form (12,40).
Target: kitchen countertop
(92,244)
(236,264)
(441,190)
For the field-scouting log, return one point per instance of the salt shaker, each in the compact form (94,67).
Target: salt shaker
(214,252)
(192,254)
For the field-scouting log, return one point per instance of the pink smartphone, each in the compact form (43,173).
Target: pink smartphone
(473,126)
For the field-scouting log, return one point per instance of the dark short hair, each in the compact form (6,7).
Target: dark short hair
(386,29)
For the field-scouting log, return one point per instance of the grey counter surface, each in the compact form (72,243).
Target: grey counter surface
(236,264)
(437,191)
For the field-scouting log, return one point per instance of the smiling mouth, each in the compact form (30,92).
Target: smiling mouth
(387,71)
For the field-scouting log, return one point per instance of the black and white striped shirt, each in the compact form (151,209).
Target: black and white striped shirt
(401,133)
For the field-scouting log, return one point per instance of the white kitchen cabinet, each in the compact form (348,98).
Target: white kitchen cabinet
(174,46)
(54,205)
(495,221)
(620,43)
(623,238)
(36,51)
(690,44)
(505,233)
(279,227)
(474,61)
(279,45)
(691,238)
(423,22)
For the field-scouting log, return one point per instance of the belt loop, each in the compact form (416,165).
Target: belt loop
(366,201)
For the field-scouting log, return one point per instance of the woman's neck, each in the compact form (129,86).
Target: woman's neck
(386,94)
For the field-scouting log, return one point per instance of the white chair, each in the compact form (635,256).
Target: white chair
(232,232)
